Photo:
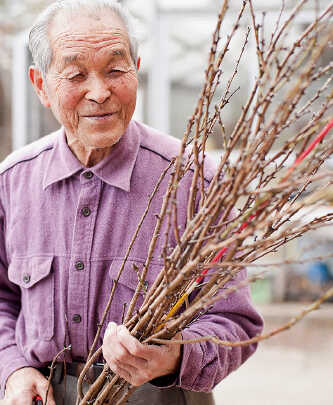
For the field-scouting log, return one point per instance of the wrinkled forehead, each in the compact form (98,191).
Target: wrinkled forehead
(87,30)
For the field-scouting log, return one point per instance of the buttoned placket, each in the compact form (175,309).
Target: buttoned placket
(79,273)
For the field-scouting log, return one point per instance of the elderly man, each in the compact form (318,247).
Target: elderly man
(69,205)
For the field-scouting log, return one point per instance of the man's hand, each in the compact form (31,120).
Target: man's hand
(135,362)
(24,384)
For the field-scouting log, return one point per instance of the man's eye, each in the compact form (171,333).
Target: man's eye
(116,72)
(77,76)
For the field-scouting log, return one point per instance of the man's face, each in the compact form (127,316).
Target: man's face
(91,85)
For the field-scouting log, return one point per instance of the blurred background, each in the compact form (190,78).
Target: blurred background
(295,367)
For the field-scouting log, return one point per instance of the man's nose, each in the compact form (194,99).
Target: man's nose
(98,90)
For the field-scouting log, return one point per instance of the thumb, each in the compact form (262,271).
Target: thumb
(44,389)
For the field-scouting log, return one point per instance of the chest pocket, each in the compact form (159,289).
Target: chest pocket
(127,284)
(35,278)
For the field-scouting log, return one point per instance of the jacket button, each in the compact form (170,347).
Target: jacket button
(77,318)
(86,211)
(88,175)
(26,278)
(79,265)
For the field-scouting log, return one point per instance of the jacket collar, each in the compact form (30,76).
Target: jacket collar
(115,169)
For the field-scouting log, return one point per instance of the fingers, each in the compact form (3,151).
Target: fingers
(135,348)
(129,341)
(125,372)
(123,354)
(42,388)
(135,362)
(24,398)
(123,348)
(24,385)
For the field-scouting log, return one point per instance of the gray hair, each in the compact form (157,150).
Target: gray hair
(39,42)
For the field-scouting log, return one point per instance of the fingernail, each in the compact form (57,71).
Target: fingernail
(122,329)
(111,326)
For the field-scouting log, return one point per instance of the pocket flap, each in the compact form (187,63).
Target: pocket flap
(26,272)
(130,277)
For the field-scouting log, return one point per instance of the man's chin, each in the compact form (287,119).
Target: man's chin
(102,141)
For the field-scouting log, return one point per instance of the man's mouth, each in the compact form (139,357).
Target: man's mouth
(99,116)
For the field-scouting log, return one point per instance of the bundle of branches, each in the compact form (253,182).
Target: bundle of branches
(265,194)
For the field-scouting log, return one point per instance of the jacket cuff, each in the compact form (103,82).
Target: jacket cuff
(192,360)
(170,380)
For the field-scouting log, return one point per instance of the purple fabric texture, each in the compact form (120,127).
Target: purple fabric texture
(64,230)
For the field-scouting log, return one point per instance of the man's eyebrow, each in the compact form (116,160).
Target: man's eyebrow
(118,52)
(69,59)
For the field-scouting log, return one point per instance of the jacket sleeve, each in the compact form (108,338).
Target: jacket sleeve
(10,357)
(232,319)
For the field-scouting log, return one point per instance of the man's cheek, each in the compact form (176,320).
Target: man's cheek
(69,100)
(65,110)
(126,89)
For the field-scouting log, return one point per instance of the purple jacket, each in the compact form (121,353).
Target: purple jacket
(64,230)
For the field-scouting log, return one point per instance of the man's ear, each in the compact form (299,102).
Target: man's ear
(138,63)
(39,84)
